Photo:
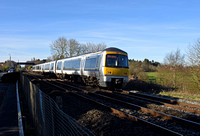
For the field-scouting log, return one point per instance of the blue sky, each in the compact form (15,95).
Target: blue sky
(143,28)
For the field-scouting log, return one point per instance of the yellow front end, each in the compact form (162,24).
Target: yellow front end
(109,71)
(115,75)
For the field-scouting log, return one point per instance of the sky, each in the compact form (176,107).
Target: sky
(143,28)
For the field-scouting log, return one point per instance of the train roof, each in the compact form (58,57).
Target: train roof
(114,49)
(107,49)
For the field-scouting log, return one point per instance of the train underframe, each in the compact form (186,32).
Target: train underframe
(89,80)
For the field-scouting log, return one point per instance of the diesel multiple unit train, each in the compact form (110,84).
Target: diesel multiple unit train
(107,68)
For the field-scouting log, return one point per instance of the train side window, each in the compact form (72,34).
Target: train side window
(77,63)
(66,65)
(97,61)
(59,65)
(72,64)
(90,63)
(47,67)
(52,64)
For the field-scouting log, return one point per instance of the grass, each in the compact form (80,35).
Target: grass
(152,76)
(179,94)
(183,95)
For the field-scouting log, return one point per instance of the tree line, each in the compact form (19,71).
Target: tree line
(138,68)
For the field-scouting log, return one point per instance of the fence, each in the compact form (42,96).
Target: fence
(47,117)
(20,124)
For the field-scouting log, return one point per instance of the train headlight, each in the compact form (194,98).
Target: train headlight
(109,72)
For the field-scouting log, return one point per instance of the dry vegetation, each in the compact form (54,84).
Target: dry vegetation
(180,78)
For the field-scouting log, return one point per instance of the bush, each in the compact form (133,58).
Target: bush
(142,76)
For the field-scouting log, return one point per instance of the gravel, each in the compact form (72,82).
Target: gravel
(100,121)
(180,128)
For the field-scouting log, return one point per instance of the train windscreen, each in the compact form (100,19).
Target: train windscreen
(116,60)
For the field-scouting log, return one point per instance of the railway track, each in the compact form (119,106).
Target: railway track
(172,103)
(113,110)
(116,99)
(188,107)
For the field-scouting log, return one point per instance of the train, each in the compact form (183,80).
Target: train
(106,68)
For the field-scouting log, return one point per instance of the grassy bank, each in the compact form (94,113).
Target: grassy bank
(183,95)
(152,76)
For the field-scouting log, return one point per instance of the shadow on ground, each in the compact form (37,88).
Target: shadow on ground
(10,77)
(139,85)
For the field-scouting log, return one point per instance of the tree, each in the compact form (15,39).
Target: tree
(171,72)
(174,58)
(62,48)
(194,54)
(91,47)
(194,61)
(73,48)
(59,48)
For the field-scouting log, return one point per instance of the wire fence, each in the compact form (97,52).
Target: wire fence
(47,117)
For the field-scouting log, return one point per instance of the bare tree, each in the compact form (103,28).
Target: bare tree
(194,54)
(83,49)
(174,61)
(100,46)
(174,58)
(62,47)
(59,48)
(194,60)
(91,47)
(74,47)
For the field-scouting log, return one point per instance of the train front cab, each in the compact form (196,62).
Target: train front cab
(116,69)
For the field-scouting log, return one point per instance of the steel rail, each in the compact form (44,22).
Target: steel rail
(152,112)
(155,101)
(165,104)
(170,101)
(140,98)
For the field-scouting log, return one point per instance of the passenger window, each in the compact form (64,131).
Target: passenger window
(47,67)
(72,64)
(90,63)
(52,64)
(59,65)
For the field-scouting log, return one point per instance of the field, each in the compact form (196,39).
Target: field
(152,76)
